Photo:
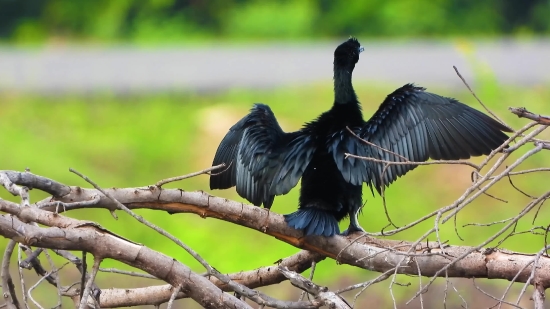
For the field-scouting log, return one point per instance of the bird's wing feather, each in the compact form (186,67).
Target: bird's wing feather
(263,160)
(418,125)
(227,154)
(353,170)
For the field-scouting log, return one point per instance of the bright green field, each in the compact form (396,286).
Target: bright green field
(128,141)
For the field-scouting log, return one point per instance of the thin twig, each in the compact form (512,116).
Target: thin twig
(436,226)
(36,265)
(526,139)
(256,296)
(488,224)
(445,292)
(459,162)
(376,146)
(383,276)
(492,182)
(147,223)
(68,206)
(456,227)
(21,279)
(88,288)
(54,275)
(493,197)
(48,274)
(162,182)
(173,296)
(80,266)
(537,212)
(491,296)
(311,272)
(459,295)
(512,282)
(475,96)
(419,282)
(383,195)
(518,189)
(532,275)
(27,263)
(522,112)
(7,284)
(125,272)
(405,227)
(365,285)
(322,294)
(533,170)
(528,208)
(502,148)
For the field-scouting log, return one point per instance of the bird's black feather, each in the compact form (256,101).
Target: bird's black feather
(263,160)
(410,124)
(419,125)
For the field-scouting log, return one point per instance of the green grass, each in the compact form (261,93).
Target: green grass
(127,141)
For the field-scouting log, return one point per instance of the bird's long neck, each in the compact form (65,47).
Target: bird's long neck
(343,88)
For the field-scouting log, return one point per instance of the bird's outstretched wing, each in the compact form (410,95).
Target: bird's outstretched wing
(419,125)
(263,161)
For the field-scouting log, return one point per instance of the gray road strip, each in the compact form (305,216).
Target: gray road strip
(125,69)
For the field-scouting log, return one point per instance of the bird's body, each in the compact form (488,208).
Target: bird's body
(264,161)
(323,185)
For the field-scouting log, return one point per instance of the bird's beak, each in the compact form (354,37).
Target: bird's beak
(361,49)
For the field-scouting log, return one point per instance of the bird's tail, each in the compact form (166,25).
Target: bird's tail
(313,221)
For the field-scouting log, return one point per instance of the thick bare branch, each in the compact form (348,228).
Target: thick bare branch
(33,181)
(242,290)
(82,236)
(156,295)
(365,252)
(368,253)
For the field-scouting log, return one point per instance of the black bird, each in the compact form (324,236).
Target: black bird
(264,161)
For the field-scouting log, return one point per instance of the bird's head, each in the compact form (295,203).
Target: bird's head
(347,53)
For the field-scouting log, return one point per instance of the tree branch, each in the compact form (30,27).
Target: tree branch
(156,295)
(71,234)
(367,253)
(33,181)
(522,112)
(8,288)
(328,298)
(385,256)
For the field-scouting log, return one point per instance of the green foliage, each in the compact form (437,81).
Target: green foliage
(182,21)
(271,19)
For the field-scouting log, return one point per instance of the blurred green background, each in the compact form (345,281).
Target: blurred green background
(178,21)
(136,138)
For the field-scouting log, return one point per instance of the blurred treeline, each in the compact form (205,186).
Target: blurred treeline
(180,21)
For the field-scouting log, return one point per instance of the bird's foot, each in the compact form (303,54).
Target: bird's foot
(353,229)
(353,224)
